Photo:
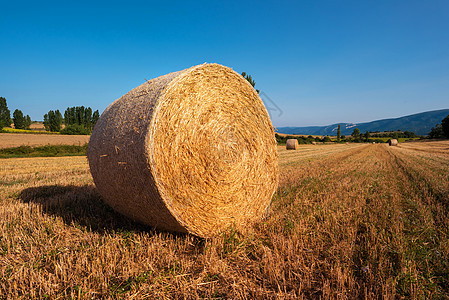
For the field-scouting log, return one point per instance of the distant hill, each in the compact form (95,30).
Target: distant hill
(418,123)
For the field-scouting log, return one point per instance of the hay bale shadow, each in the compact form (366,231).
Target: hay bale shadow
(80,206)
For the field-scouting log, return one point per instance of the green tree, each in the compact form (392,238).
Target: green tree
(436,132)
(79,115)
(67,117)
(18,119)
(250,80)
(28,122)
(356,133)
(367,136)
(53,121)
(46,122)
(445,126)
(339,133)
(5,114)
(72,116)
(88,118)
(95,117)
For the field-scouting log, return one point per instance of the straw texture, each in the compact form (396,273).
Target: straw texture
(192,151)
(292,144)
(393,142)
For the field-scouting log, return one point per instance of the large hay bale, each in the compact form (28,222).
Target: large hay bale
(192,151)
(393,142)
(292,144)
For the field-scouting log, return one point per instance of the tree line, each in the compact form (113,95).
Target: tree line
(19,120)
(302,139)
(77,119)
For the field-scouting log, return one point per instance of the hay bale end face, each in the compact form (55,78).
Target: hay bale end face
(292,144)
(393,142)
(192,151)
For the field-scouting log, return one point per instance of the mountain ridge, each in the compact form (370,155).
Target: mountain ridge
(420,123)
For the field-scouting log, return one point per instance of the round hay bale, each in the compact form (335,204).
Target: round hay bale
(393,142)
(192,151)
(292,144)
(313,143)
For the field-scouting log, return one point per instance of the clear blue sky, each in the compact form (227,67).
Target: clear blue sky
(321,62)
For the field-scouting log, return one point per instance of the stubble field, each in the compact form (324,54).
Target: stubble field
(8,140)
(347,221)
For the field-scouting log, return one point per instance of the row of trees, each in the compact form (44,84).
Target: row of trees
(77,120)
(20,121)
(79,115)
(357,136)
(302,139)
(394,134)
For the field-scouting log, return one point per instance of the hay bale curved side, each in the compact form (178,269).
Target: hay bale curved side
(393,142)
(292,144)
(192,151)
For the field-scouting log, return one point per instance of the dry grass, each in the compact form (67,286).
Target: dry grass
(348,221)
(8,140)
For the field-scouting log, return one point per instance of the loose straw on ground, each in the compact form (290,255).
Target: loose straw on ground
(192,151)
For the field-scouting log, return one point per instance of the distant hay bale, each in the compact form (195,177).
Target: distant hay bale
(313,143)
(393,142)
(292,144)
(191,151)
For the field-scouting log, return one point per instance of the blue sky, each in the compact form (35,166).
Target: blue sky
(321,62)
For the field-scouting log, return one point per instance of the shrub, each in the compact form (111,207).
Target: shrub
(75,130)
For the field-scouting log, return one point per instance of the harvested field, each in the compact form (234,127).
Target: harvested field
(8,140)
(37,126)
(347,222)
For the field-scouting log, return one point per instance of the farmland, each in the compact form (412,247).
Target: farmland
(8,140)
(347,221)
